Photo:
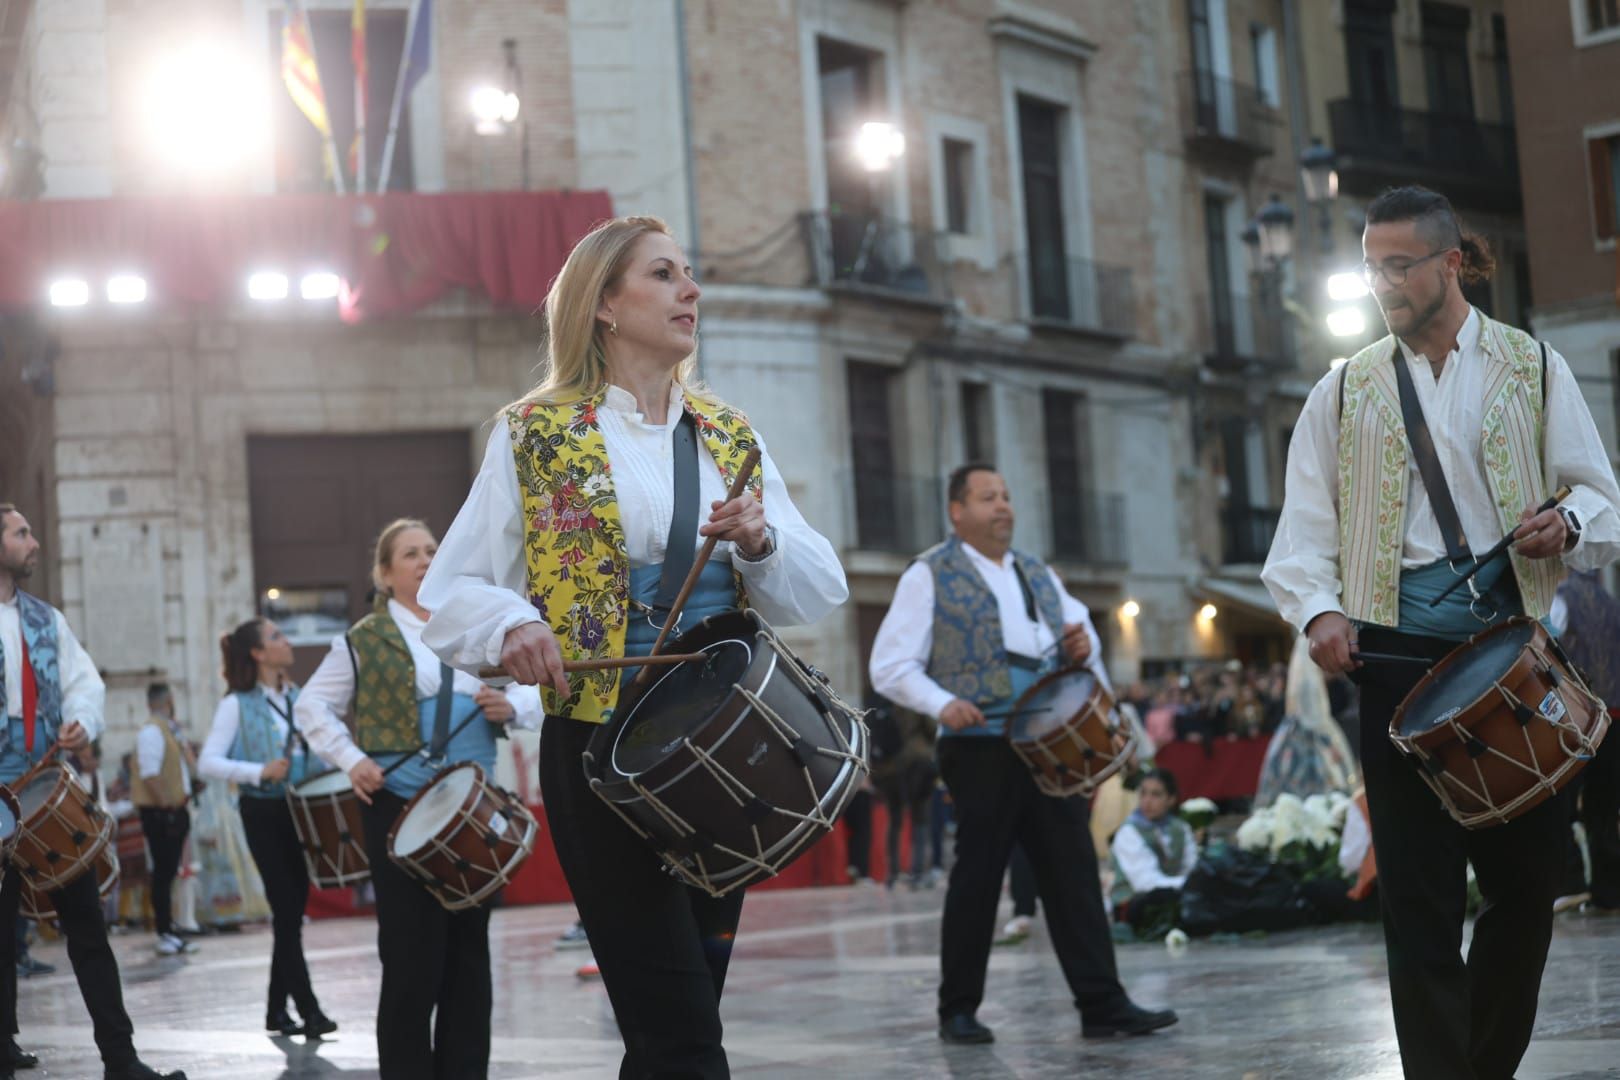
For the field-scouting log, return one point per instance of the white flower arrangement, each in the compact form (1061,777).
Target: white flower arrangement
(1199,805)
(1302,831)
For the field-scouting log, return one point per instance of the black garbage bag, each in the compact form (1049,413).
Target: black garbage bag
(1235,891)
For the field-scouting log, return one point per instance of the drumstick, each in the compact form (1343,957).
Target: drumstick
(1392,658)
(607,664)
(738,483)
(1501,545)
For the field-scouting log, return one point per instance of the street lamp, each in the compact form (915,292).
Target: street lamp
(1275,226)
(1319,175)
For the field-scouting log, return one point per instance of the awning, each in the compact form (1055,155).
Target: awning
(1248,596)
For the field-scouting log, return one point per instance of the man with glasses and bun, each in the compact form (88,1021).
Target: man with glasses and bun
(1372,525)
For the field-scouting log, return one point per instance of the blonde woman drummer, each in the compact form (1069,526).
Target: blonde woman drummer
(433,1016)
(253,744)
(560,551)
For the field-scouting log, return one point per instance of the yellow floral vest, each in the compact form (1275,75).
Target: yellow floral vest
(1373,470)
(578,565)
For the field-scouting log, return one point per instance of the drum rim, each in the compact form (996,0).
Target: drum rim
(298,791)
(725,703)
(475,786)
(1466,716)
(1041,684)
(393,830)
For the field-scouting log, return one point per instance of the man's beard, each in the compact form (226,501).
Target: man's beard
(20,571)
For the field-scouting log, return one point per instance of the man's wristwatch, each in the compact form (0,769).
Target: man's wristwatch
(1572,527)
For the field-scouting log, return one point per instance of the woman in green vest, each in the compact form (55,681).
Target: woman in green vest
(561,551)
(1153,853)
(254,745)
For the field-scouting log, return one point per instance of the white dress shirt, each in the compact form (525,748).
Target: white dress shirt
(899,665)
(1302,569)
(149,750)
(84,695)
(215,763)
(477,587)
(327,696)
(1141,866)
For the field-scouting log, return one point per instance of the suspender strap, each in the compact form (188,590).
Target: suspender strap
(441,711)
(680,550)
(1428,461)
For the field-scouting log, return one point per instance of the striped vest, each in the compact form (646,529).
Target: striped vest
(574,547)
(1373,473)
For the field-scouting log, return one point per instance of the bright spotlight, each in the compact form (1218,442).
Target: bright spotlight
(1342,288)
(204,108)
(1207,613)
(268,285)
(272,593)
(878,145)
(70,292)
(493,109)
(322,285)
(126,289)
(1130,609)
(1347,322)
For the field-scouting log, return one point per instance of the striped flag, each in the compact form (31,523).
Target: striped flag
(298,68)
(357,52)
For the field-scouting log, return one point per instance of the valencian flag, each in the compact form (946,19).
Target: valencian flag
(357,52)
(303,77)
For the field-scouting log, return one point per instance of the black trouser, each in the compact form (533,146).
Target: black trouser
(1453,1019)
(166,829)
(78,910)
(997,805)
(1599,787)
(433,1013)
(277,852)
(663,946)
(858,820)
(898,808)
(1023,883)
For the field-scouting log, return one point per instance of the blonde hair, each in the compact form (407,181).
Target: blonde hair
(575,363)
(384,557)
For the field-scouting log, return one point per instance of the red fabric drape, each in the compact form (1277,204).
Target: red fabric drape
(1219,769)
(397,252)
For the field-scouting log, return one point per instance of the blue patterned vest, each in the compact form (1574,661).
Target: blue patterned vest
(38,621)
(969,653)
(256,740)
(1591,632)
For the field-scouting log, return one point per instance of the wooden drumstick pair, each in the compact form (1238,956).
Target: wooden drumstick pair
(647,663)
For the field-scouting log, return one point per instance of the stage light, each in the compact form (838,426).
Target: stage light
(1347,286)
(1207,613)
(204,108)
(1130,609)
(1347,322)
(493,109)
(322,285)
(126,289)
(268,285)
(272,594)
(879,145)
(70,292)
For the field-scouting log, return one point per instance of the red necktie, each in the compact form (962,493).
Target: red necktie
(30,696)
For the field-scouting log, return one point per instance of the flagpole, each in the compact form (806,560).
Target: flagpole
(398,104)
(361,73)
(334,162)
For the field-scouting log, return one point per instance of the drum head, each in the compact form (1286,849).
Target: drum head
(1464,676)
(328,783)
(33,796)
(1050,705)
(434,809)
(678,705)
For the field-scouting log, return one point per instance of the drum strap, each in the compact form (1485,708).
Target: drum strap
(441,711)
(1428,462)
(680,549)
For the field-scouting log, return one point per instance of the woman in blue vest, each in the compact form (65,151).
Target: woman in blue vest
(254,745)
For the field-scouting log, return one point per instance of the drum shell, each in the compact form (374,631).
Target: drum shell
(742,743)
(331,834)
(469,865)
(1530,762)
(37,905)
(1076,756)
(64,836)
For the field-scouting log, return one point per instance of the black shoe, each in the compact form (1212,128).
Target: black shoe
(1130,1019)
(282,1024)
(317,1023)
(139,1070)
(963,1029)
(17,1058)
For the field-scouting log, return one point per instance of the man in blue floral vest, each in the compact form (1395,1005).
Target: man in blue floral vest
(974,624)
(52,694)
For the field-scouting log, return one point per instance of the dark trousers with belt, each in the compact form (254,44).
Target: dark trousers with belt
(1599,788)
(997,805)
(1454,1019)
(433,1013)
(78,909)
(166,829)
(662,945)
(277,852)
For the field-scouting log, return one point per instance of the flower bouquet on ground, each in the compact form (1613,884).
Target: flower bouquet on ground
(1198,813)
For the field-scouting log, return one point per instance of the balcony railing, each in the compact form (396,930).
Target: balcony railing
(867,252)
(1084,295)
(1242,330)
(1089,528)
(1225,116)
(1477,163)
(1246,534)
(898,513)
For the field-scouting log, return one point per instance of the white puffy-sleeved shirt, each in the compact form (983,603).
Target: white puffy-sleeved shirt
(1141,866)
(327,696)
(899,666)
(1302,568)
(477,586)
(84,695)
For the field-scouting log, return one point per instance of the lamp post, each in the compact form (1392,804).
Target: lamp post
(1320,178)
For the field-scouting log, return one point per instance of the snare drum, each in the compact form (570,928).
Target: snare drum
(326,814)
(1500,725)
(462,837)
(731,767)
(63,827)
(1067,730)
(37,905)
